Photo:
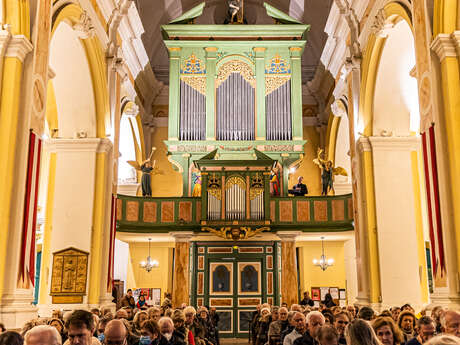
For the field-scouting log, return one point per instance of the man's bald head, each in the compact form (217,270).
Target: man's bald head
(41,335)
(115,331)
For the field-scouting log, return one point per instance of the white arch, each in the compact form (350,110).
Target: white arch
(72,84)
(396,109)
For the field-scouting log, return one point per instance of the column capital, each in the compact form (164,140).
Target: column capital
(288,236)
(296,52)
(181,236)
(409,143)
(78,145)
(444,46)
(16,46)
(363,144)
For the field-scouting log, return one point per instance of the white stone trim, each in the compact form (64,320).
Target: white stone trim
(181,236)
(363,144)
(444,46)
(288,236)
(19,46)
(411,143)
(78,145)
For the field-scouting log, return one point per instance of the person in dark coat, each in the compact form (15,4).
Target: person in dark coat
(299,189)
(128,300)
(307,300)
(167,332)
(328,301)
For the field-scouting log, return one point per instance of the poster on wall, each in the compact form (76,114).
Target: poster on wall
(334,291)
(315,294)
(342,294)
(156,297)
(324,291)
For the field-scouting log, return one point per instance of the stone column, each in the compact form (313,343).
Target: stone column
(211,55)
(350,270)
(289,283)
(396,220)
(174,93)
(78,214)
(181,281)
(260,92)
(15,83)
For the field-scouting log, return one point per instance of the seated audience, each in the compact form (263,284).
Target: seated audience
(315,320)
(300,327)
(278,326)
(154,313)
(366,313)
(115,333)
(59,325)
(342,319)
(167,332)
(150,333)
(450,322)
(139,318)
(444,339)
(128,300)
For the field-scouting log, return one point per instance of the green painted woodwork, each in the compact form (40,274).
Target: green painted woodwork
(189,16)
(211,55)
(260,93)
(174,93)
(270,248)
(279,16)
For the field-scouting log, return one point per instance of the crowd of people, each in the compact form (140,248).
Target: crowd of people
(300,324)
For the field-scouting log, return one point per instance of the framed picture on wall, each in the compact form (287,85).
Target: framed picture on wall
(324,291)
(334,291)
(315,294)
(342,294)
(156,297)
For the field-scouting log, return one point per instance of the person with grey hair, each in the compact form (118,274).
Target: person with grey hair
(276,327)
(166,325)
(42,335)
(450,322)
(290,327)
(315,320)
(299,330)
(444,339)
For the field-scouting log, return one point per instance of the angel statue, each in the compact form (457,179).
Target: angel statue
(146,167)
(327,172)
(234,6)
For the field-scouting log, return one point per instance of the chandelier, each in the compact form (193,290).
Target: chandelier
(149,263)
(323,263)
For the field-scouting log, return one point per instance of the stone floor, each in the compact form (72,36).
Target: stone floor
(231,341)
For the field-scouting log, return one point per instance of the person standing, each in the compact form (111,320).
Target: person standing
(128,300)
(299,189)
(307,300)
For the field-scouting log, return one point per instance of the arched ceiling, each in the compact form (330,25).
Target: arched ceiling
(159,12)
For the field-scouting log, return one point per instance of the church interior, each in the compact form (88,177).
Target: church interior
(228,154)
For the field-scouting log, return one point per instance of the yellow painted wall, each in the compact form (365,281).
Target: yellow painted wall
(313,276)
(159,277)
(169,183)
(310,172)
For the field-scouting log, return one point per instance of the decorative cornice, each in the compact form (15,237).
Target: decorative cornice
(338,108)
(18,46)
(288,236)
(409,143)
(181,236)
(444,46)
(381,26)
(78,145)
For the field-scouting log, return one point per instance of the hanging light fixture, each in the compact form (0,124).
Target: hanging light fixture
(323,263)
(149,263)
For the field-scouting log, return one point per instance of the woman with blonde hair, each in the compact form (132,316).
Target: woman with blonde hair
(387,331)
(359,332)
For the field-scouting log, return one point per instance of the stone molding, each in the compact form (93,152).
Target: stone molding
(78,145)
(181,236)
(288,236)
(338,108)
(444,46)
(17,46)
(411,143)
(363,144)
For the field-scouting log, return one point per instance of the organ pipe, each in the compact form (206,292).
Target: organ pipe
(192,124)
(278,113)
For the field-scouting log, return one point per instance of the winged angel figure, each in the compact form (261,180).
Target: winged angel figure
(327,172)
(147,168)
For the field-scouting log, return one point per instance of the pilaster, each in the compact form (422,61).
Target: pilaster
(211,55)
(174,93)
(180,293)
(260,93)
(289,283)
(296,93)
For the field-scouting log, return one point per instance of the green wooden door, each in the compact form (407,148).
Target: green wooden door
(235,279)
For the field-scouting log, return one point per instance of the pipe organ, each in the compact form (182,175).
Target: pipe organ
(235,89)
